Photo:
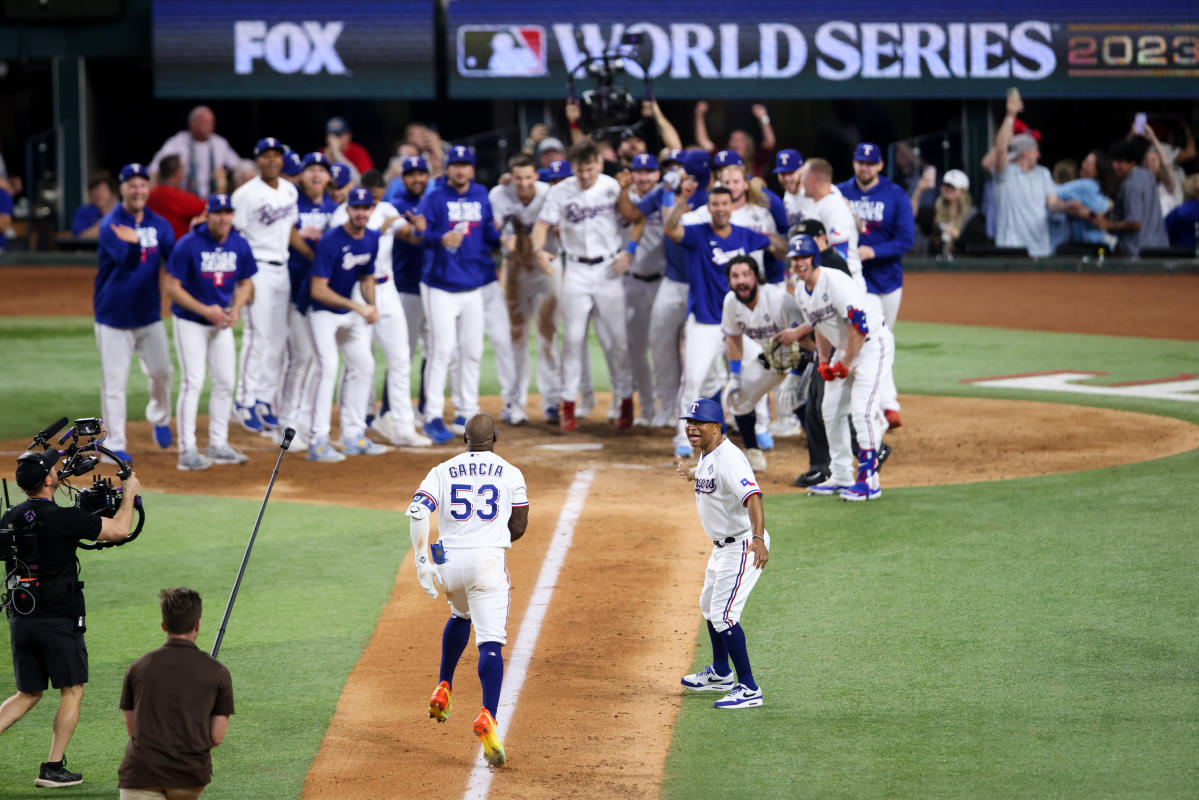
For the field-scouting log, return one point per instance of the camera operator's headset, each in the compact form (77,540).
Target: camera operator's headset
(102,498)
(606,101)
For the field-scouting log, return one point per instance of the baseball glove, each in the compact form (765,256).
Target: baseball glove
(784,357)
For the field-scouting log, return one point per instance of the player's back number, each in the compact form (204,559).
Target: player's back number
(480,501)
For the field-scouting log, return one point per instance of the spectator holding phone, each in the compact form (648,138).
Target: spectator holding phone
(1136,218)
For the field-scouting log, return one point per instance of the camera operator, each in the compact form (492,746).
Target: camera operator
(47,639)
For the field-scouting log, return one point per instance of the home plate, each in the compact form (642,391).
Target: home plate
(572,447)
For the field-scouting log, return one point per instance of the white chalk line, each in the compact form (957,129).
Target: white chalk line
(517,667)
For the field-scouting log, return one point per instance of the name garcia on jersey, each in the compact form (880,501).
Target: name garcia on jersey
(476,469)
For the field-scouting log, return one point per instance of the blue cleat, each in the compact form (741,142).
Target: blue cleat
(162,436)
(552,416)
(265,415)
(684,451)
(765,441)
(436,430)
(245,416)
(458,426)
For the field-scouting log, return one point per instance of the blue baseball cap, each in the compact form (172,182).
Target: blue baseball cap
(134,170)
(219,202)
(787,161)
(340,174)
(360,197)
(292,163)
(316,159)
(556,171)
(269,143)
(644,161)
(726,158)
(696,165)
(705,410)
(460,154)
(803,245)
(414,164)
(867,153)
(675,156)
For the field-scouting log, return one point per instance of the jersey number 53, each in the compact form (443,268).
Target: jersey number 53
(462,506)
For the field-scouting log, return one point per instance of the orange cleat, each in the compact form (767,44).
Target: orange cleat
(493,748)
(893,420)
(441,702)
(568,422)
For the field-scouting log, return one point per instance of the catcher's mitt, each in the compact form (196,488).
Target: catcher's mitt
(784,357)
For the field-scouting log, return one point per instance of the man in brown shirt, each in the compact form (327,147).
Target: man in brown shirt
(177,701)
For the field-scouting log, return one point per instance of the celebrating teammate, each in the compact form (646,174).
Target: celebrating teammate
(642,280)
(483,507)
(730,508)
(209,281)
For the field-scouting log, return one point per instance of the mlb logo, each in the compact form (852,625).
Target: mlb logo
(502,51)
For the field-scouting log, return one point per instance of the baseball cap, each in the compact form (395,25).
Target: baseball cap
(269,143)
(803,245)
(337,126)
(808,227)
(550,143)
(340,174)
(360,197)
(557,170)
(867,153)
(727,158)
(33,466)
(219,202)
(675,156)
(644,161)
(317,159)
(460,154)
(957,179)
(705,410)
(133,171)
(696,165)
(787,161)
(292,163)
(1021,143)
(414,164)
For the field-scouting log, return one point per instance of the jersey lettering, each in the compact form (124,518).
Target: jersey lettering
(269,214)
(721,257)
(575,212)
(464,211)
(475,468)
(868,210)
(705,485)
(354,260)
(217,264)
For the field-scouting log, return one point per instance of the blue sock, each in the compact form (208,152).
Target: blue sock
(491,673)
(720,653)
(734,640)
(453,642)
(746,424)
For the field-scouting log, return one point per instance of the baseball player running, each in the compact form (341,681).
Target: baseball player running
(134,243)
(837,308)
(265,214)
(208,281)
(482,508)
(345,256)
(730,508)
(584,209)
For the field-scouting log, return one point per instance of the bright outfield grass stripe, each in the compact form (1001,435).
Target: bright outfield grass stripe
(530,628)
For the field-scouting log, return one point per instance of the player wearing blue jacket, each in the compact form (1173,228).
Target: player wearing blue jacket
(408,259)
(461,235)
(886,212)
(134,243)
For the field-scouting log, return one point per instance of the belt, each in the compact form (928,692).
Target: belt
(646,278)
(274,263)
(725,541)
(381,279)
(591,261)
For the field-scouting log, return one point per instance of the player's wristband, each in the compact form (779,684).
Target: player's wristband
(735,366)
(667,199)
(760,539)
(631,247)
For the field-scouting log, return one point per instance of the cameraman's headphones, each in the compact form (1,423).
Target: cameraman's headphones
(35,466)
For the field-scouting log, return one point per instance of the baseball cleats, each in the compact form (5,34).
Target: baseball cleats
(569,422)
(826,488)
(493,748)
(893,420)
(641,422)
(862,490)
(757,459)
(625,420)
(321,450)
(265,415)
(193,460)
(458,426)
(586,403)
(245,416)
(441,702)
(409,438)
(765,441)
(436,430)
(513,415)
(362,446)
(708,681)
(741,697)
(811,478)
(54,775)
(552,416)
(162,436)
(788,425)
(121,454)
(226,454)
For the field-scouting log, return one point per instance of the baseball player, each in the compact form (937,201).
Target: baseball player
(583,207)
(461,234)
(709,247)
(642,280)
(340,179)
(208,281)
(482,507)
(787,166)
(838,310)
(730,508)
(830,207)
(265,214)
(134,243)
(886,212)
(345,256)
(751,208)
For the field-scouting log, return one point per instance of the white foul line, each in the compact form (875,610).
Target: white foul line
(530,627)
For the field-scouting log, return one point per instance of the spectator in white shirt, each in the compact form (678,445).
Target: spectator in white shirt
(208,159)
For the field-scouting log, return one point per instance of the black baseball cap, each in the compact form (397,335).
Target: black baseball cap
(808,227)
(33,466)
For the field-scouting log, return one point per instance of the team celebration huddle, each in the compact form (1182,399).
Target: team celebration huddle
(701,281)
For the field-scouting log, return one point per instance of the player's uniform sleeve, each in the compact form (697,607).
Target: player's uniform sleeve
(325,256)
(516,484)
(180,261)
(435,215)
(756,241)
(491,234)
(551,209)
(123,254)
(429,491)
(728,315)
(247,267)
(693,237)
(166,239)
(851,304)
(903,230)
(368,268)
(738,478)
(651,202)
(778,212)
(240,199)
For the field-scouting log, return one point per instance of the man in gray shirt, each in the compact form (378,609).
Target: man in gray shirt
(1136,217)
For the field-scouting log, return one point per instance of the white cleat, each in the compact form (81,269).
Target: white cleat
(226,454)
(707,680)
(741,697)
(757,459)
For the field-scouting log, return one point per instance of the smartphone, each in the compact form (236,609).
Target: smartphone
(1138,123)
(1014,93)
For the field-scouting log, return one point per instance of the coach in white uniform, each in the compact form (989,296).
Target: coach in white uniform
(265,213)
(584,209)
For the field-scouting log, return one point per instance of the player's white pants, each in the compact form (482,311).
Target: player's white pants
(296,392)
(195,344)
(332,332)
(117,346)
(890,303)
(728,580)
(391,332)
(535,287)
(476,584)
(259,368)
(858,397)
(498,327)
(585,288)
(667,318)
(455,321)
(639,302)
(414,318)
(703,369)
(756,382)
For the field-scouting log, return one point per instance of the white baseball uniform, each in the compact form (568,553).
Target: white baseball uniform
(473,494)
(841,229)
(641,285)
(774,310)
(800,207)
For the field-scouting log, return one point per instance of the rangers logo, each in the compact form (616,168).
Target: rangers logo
(501,51)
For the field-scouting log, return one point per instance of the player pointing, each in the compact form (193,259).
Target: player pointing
(730,509)
(482,509)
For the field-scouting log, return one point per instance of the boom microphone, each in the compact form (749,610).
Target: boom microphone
(288,435)
(51,429)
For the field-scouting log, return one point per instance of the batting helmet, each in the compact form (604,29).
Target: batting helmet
(801,246)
